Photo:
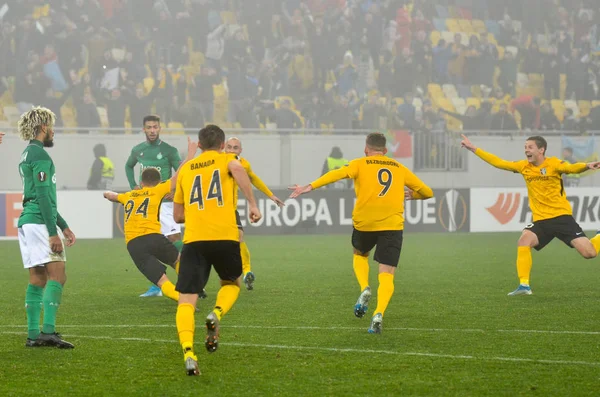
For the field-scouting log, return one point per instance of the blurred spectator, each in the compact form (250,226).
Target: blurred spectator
(528,107)
(570,122)
(548,120)
(334,161)
(502,120)
(314,112)
(346,75)
(285,117)
(102,172)
(202,95)
(372,112)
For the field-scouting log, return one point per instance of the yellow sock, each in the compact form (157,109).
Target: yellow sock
(596,242)
(361,270)
(384,292)
(186,326)
(226,297)
(245,252)
(524,263)
(168,290)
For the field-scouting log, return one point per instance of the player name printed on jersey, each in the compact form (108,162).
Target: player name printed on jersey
(507,209)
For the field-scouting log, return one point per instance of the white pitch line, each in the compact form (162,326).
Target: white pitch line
(333,328)
(343,350)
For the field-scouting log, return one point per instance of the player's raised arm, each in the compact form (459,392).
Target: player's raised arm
(330,177)
(490,158)
(241,178)
(129,171)
(112,196)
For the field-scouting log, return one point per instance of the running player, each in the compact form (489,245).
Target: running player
(552,213)
(148,248)
(204,201)
(378,217)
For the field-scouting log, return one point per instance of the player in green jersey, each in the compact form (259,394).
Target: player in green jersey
(155,153)
(39,239)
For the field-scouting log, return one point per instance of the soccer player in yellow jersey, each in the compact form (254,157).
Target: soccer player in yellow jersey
(204,201)
(552,213)
(147,246)
(234,145)
(378,217)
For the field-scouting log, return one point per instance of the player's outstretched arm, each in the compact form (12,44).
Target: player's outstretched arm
(490,158)
(577,168)
(241,177)
(111,196)
(330,177)
(261,186)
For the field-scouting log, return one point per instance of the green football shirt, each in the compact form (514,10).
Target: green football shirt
(39,189)
(157,154)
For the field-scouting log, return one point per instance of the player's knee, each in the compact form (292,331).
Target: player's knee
(357,252)
(589,253)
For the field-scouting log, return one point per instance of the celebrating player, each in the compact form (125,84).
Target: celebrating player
(40,241)
(204,200)
(234,145)
(552,213)
(378,218)
(148,248)
(160,155)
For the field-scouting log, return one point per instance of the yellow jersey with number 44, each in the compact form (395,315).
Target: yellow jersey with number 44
(379,186)
(142,210)
(207,191)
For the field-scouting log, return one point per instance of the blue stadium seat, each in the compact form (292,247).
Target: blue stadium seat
(492,27)
(464,91)
(439,24)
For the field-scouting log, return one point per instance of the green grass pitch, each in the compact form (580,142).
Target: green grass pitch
(450,329)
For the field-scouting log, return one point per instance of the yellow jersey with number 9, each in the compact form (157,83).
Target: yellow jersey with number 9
(207,191)
(142,210)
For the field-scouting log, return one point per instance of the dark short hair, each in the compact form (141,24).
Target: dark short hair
(151,177)
(540,142)
(151,117)
(376,141)
(211,137)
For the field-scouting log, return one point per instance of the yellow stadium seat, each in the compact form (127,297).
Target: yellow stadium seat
(434,89)
(452,25)
(445,104)
(398,101)
(465,25)
(148,84)
(500,52)
(492,38)
(435,38)
(473,102)
(103,116)
(228,17)
(479,26)
(176,128)
(584,107)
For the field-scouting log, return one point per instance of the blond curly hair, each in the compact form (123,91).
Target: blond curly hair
(31,121)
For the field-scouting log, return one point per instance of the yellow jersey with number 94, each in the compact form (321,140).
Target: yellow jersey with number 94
(207,191)
(142,209)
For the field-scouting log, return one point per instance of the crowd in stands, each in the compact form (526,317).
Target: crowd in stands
(422,65)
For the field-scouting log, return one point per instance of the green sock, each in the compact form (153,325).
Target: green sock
(178,244)
(52,297)
(33,307)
